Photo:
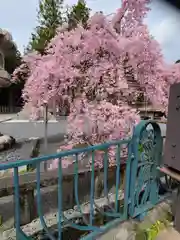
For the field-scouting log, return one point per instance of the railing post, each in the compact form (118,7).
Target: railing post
(45,133)
(27,206)
(146,152)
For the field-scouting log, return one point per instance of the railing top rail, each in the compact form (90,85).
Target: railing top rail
(29,178)
(48,178)
(100,147)
(143,124)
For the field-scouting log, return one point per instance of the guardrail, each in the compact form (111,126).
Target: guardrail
(135,179)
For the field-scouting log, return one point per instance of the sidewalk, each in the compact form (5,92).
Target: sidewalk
(4,117)
(169,234)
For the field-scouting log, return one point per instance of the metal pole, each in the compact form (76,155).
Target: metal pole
(45,133)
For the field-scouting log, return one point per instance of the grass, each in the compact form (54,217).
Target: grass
(152,232)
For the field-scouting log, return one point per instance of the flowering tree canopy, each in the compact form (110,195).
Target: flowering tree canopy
(23,71)
(94,70)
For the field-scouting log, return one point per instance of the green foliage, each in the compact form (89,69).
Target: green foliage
(140,148)
(152,232)
(49,19)
(50,14)
(12,60)
(78,13)
(1,220)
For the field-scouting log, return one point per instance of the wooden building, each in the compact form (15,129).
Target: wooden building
(10,94)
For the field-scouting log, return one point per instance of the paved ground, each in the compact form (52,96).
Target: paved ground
(27,129)
(23,148)
(19,129)
(169,234)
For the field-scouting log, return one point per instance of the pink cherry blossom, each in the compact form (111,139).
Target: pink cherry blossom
(94,70)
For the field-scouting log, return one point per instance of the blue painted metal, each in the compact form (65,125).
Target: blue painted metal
(141,181)
(147,151)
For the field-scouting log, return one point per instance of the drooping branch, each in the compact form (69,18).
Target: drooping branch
(91,69)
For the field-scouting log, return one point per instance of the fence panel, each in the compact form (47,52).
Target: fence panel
(147,144)
(128,188)
(108,207)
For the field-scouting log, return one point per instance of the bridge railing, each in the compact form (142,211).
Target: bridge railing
(107,206)
(128,187)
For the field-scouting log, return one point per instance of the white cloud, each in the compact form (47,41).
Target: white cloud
(165,30)
(164,25)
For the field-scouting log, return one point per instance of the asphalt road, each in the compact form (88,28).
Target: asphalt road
(26,130)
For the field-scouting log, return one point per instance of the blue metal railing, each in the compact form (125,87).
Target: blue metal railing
(140,184)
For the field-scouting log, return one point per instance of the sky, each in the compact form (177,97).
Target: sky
(19,18)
